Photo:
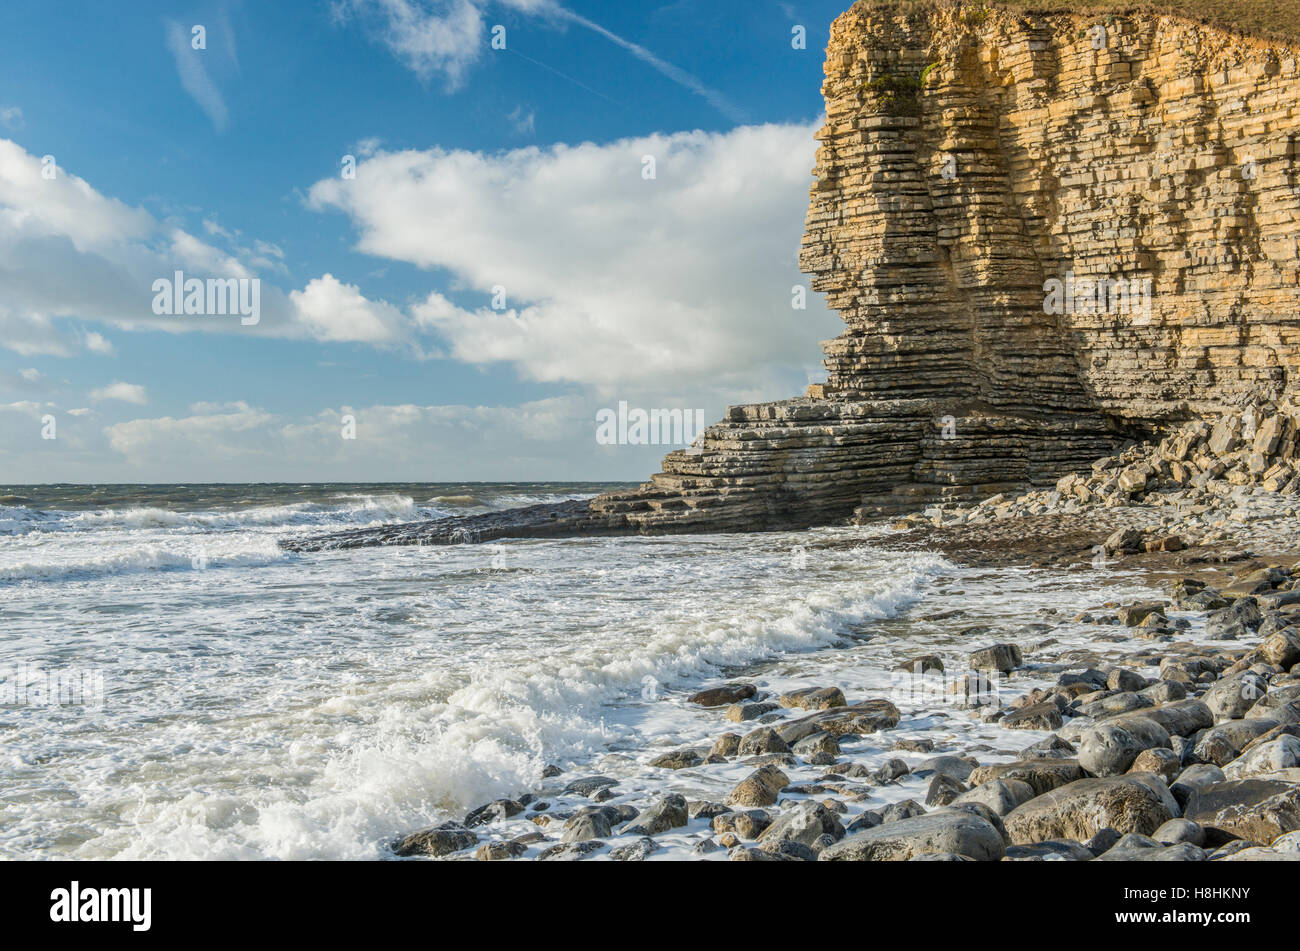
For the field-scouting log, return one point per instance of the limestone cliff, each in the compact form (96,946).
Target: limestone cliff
(971,157)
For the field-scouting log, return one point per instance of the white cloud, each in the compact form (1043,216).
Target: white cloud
(194,76)
(337,312)
(447,37)
(428,36)
(66,251)
(10,115)
(610,278)
(125,392)
(524,123)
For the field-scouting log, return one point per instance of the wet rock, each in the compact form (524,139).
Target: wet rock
(1053,850)
(1180,718)
(866,820)
(636,851)
(1128,850)
(1103,841)
(954,767)
(493,812)
(1000,795)
(763,740)
(958,833)
(914,746)
(723,696)
(587,824)
(1134,614)
(570,851)
(551,771)
(1042,775)
(1086,675)
(922,664)
(705,809)
(1193,777)
(589,785)
(943,790)
(1001,657)
(1052,747)
(1257,810)
(1222,744)
(1179,830)
(1281,753)
(747,825)
(1282,649)
(866,717)
(891,771)
(760,788)
(667,812)
(1231,697)
(1108,748)
(818,743)
(814,698)
(897,811)
(500,851)
(436,841)
(1238,620)
(789,849)
(678,759)
(1164,762)
(744,712)
(1039,716)
(804,823)
(1137,802)
(1125,680)
(1164,691)
(726,745)
(705,847)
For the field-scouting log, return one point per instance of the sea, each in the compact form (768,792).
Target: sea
(175,685)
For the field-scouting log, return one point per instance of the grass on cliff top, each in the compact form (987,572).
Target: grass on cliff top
(1271,20)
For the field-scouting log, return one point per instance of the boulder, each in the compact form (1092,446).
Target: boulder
(678,759)
(1180,718)
(1222,744)
(493,812)
(1038,716)
(869,716)
(1281,753)
(1041,775)
(814,698)
(1000,795)
(436,841)
(667,812)
(762,787)
(1230,697)
(1257,810)
(1109,748)
(1136,802)
(1000,657)
(804,823)
(943,831)
(636,851)
(723,696)
(763,740)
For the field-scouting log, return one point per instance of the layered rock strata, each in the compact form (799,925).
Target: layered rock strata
(972,157)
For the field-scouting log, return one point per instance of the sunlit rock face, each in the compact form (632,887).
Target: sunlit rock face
(1040,231)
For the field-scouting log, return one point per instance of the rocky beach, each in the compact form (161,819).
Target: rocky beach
(1169,731)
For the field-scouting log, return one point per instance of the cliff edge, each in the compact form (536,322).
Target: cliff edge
(1045,232)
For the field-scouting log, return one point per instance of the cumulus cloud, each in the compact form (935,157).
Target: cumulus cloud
(125,392)
(338,312)
(67,251)
(609,277)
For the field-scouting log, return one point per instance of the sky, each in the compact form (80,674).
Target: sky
(471,226)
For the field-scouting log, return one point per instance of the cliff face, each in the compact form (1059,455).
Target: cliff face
(1040,231)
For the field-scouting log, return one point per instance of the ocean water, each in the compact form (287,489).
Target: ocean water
(257,704)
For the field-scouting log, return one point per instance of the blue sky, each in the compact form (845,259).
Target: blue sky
(477,169)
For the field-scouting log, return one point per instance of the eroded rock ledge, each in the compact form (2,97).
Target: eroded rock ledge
(968,158)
